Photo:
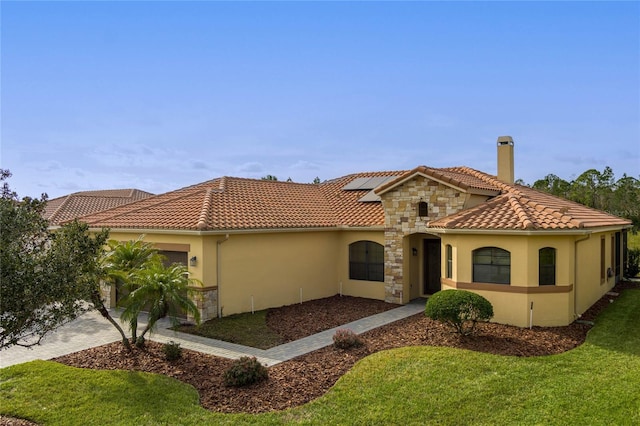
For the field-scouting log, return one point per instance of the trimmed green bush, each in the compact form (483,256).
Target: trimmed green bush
(459,309)
(172,351)
(245,371)
(345,339)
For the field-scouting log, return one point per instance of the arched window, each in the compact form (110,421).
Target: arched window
(366,261)
(491,265)
(449,272)
(547,266)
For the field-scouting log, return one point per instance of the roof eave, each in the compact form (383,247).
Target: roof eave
(528,232)
(195,232)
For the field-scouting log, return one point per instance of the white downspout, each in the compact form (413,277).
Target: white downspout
(219,271)
(575,276)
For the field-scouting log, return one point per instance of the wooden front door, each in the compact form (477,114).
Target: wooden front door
(431,266)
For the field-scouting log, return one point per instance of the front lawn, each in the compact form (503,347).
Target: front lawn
(597,383)
(244,329)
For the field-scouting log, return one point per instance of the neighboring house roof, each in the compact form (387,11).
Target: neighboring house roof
(72,206)
(229,203)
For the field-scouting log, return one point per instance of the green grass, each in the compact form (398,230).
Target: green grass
(597,383)
(633,240)
(244,329)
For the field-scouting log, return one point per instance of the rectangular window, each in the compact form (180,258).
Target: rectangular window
(449,261)
(602,261)
(423,209)
(617,252)
(613,253)
(547,266)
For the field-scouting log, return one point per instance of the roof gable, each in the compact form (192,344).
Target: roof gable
(458,178)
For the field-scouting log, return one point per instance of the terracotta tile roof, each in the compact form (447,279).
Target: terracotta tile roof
(523,208)
(69,207)
(229,203)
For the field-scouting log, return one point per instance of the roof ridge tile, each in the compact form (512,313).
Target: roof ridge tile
(206,208)
(59,208)
(519,210)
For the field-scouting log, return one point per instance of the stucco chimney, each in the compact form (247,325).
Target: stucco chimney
(505,159)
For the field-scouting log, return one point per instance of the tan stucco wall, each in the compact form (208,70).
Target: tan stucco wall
(274,267)
(524,256)
(553,308)
(358,288)
(588,270)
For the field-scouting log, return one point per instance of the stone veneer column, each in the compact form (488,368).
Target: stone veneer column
(206,300)
(105,292)
(401,220)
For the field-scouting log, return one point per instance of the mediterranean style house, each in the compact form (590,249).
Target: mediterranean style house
(393,236)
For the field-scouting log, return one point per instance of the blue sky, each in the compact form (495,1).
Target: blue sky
(161,95)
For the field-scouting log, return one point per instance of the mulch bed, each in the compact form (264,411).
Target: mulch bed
(307,377)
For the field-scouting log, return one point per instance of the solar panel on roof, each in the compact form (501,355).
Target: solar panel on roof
(370,197)
(367,183)
(355,185)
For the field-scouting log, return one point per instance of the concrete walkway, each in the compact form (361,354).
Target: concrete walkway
(92,330)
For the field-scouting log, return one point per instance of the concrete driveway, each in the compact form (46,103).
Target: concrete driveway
(84,332)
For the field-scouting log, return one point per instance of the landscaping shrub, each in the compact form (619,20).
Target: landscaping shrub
(245,371)
(633,263)
(172,351)
(459,309)
(345,339)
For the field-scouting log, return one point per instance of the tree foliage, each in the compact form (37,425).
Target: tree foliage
(599,190)
(45,275)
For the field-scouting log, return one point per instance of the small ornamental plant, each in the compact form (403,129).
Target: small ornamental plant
(172,351)
(245,371)
(345,339)
(460,309)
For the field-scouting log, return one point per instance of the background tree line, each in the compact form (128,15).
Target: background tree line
(599,190)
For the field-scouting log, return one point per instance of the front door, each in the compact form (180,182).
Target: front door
(431,266)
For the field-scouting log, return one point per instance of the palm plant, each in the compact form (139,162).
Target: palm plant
(123,258)
(162,292)
(121,264)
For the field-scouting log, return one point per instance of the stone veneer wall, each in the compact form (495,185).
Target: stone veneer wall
(401,219)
